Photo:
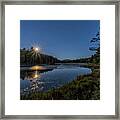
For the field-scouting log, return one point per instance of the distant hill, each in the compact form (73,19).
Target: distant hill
(28,58)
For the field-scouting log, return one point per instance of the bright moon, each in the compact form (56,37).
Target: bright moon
(36,49)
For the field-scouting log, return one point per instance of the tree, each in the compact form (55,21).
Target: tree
(95,41)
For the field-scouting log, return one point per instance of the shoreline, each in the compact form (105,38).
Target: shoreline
(80,82)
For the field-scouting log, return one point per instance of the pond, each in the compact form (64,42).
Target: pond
(36,80)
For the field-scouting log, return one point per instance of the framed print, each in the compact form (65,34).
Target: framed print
(60,60)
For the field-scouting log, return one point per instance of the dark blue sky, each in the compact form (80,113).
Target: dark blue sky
(61,38)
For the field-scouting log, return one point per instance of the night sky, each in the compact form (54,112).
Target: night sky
(64,39)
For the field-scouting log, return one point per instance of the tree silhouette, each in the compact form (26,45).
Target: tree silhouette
(95,41)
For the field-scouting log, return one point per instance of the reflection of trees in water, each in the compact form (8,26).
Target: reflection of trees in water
(31,74)
(34,78)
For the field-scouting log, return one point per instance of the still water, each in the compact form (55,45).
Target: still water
(36,80)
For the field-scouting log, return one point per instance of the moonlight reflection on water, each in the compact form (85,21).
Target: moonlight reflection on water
(38,78)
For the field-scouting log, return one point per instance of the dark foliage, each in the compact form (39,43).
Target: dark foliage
(28,59)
